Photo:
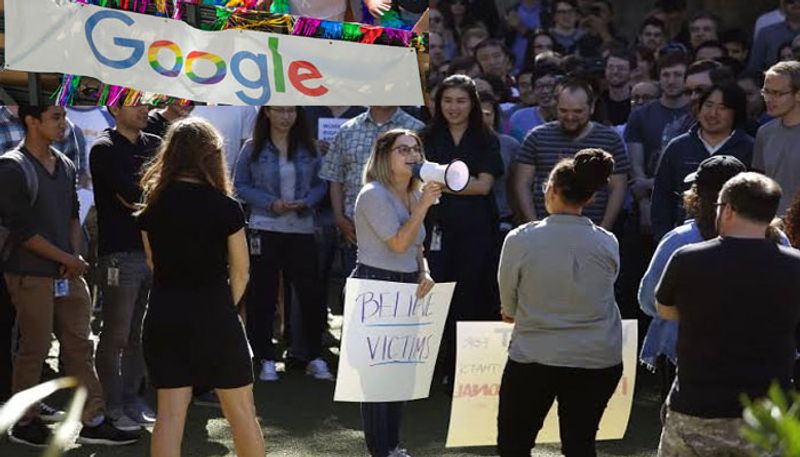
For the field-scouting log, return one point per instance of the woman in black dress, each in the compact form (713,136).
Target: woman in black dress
(463,229)
(194,237)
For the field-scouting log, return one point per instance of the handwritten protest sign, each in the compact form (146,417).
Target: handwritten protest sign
(480,360)
(390,340)
(328,126)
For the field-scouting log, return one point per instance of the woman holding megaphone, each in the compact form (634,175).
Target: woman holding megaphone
(464,227)
(389,215)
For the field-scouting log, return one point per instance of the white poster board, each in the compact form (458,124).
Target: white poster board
(480,360)
(328,126)
(390,340)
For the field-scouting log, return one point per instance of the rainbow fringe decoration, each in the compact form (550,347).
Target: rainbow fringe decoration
(161,8)
(280,7)
(391,19)
(66,91)
(254,20)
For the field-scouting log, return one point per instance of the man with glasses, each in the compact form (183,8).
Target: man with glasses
(776,150)
(770,39)
(565,30)
(736,300)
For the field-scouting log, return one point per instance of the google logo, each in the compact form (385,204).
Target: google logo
(300,73)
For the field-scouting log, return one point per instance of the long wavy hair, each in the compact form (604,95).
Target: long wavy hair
(700,206)
(299,134)
(193,149)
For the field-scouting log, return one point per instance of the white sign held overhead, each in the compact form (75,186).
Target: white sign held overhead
(236,67)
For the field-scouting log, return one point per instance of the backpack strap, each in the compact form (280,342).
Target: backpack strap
(28,169)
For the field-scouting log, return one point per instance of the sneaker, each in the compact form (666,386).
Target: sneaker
(106,434)
(122,422)
(397,452)
(141,412)
(268,371)
(319,370)
(35,433)
(49,414)
(207,399)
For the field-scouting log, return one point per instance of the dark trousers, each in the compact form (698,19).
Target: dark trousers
(468,258)
(382,420)
(295,255)
(526,396)
(7,316)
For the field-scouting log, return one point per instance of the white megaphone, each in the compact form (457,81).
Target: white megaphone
(454,175)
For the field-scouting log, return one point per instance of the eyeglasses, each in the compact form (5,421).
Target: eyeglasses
(406,151)
(435,19)
(565,11)
(766,93)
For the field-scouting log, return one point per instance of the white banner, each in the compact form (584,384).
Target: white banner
(236,67)
(480,360)
(390,340)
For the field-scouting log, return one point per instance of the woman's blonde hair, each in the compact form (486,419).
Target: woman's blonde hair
(379,164)
(192,148)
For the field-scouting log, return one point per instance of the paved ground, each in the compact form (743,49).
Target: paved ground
(300,419)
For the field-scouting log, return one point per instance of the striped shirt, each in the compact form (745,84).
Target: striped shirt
(547,144)
(351,147)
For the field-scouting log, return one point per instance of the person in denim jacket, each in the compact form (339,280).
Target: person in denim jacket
(659,348)
(277,176)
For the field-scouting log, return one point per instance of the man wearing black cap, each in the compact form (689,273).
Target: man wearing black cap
(739,309)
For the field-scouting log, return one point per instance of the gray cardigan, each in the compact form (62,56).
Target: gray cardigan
(556,280)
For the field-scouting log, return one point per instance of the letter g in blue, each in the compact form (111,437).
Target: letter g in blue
(136,45)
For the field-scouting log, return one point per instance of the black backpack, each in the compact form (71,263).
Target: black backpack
(32,183)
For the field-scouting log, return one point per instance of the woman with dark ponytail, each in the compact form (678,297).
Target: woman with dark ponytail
(556,281)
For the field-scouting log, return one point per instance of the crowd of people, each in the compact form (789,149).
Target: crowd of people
(648,177)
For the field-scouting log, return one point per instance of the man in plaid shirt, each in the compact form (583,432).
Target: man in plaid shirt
(344,165)
(11,131)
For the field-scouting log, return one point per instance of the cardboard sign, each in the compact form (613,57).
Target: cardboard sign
(480,361)
(390,340)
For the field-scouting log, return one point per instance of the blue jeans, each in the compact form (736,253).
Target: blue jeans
(382,420)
